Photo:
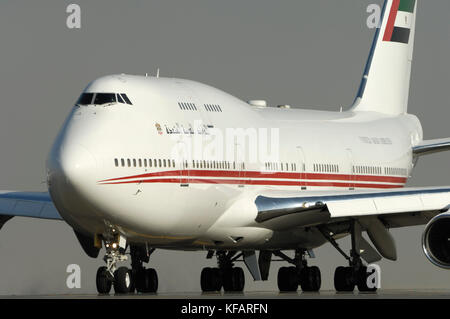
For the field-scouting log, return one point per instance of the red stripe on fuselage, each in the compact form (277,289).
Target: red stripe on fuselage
(266,175)
(255,182)
(391,21)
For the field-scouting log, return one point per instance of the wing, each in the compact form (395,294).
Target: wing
(431,146)
(332,212)
(402,207)
(26,204)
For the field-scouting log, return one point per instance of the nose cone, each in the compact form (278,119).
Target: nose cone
(77,164)
(71,164)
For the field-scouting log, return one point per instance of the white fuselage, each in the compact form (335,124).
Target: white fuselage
(118,165)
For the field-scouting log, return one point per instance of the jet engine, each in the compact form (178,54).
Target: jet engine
(436,240)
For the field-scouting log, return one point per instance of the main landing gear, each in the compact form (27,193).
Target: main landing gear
(224,276)
(346,278)
(289,278)
(126,280)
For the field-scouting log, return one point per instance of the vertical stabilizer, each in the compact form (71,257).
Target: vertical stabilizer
(385,84)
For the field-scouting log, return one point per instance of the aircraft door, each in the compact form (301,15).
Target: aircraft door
(183,163)
(301,166)
(238,164)
(351,168)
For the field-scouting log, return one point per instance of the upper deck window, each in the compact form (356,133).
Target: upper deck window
(104,98)
(85,99)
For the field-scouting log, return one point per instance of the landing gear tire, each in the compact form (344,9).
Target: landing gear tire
(234,280)
(288,279)
(211,279)
(310,279)
(146,280)
(133,282)
(122,280)
(152,279)
(102,281)
(344,279)
(362,281)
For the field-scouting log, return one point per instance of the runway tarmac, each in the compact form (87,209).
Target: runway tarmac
(331,294)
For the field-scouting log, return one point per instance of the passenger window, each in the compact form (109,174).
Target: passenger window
(159,162)
(134,162)
(129,162)
(164,162)
(140,163)
(122,162)
(116,162)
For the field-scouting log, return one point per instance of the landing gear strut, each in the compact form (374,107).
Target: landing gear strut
(289,278)
(224,276)
(346,278)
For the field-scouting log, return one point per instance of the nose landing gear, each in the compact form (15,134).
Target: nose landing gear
(109,275)
(123,279)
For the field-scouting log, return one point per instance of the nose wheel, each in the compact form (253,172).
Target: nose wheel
(123,279)
(103,281)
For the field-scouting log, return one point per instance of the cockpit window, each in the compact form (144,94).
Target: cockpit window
(119,99)
(85,99)
(127,100)
(104,98)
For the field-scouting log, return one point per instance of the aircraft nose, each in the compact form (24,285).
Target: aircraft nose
(73,164)
(77,163)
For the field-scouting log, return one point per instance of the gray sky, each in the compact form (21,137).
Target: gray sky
(303,53)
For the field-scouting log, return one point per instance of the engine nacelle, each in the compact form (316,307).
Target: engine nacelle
(436,240)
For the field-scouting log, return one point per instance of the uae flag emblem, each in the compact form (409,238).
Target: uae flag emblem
(400,20)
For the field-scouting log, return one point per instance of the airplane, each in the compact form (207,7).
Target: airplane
(122,173)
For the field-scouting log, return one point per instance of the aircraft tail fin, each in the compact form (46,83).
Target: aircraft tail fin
(384,87)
